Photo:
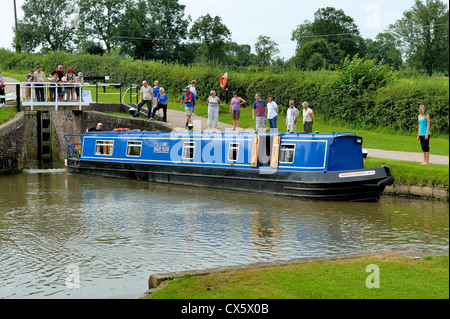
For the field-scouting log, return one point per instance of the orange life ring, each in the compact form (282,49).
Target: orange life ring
(223,82)
(121,129)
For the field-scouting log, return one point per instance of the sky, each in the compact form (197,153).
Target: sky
(248,19)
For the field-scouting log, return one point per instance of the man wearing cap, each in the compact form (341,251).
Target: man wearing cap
(97,128)
(189,99)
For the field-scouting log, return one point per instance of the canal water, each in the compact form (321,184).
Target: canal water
(73,236)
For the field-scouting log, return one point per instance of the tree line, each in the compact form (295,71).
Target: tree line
(160,30)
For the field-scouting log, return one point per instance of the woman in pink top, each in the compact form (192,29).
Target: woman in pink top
(235,109)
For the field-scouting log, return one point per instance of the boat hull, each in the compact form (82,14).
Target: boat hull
(363,185)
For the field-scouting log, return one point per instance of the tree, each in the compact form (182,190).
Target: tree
(335,27)
(237,54)
(136,33)
(317,54)
(385,48)
(423,35)
(171,28)
(42,26)
(99,20)
(212,34)
(266,49)
(93,48)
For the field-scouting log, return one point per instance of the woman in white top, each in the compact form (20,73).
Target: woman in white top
(272,114)
(308,118)
(213,109)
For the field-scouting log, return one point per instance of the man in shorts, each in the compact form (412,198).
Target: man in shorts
(189,99)
(260,112)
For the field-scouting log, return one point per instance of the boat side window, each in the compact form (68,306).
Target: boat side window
(134,148)
(188,150)
(287,152)
(233,152)
(104,147)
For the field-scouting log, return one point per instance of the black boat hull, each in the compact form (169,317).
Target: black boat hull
(328,186)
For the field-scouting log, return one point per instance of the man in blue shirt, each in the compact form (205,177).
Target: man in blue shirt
(190,101)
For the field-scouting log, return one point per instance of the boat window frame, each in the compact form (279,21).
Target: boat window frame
(230,149)
(284,150)
(107,143)
(140,146)
(191,146)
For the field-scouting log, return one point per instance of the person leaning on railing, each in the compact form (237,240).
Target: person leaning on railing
(54,80)
(39,77)
(80,80)
(28,78)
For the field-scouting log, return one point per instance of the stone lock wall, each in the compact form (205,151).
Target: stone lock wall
(75,122)
(13,151)
(19,137)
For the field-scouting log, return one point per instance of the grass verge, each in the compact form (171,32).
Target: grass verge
(399,278)
(413,173)
(7,113)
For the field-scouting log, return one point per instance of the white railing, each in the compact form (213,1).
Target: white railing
(50,93)
(132,86)
(52,90)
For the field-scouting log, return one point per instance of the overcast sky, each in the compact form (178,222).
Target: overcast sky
(247,19)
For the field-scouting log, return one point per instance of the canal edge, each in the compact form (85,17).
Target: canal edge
(159,281)
(417,191)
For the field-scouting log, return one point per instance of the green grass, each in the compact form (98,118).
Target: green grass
(413,173)
(6,113)
(400,278)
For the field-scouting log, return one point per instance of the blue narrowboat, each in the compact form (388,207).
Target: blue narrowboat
(324,166)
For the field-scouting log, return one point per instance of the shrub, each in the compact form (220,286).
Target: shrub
(358,75)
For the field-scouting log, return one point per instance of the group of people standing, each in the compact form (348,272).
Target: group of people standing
(156,99)
(61,85)
(269,110)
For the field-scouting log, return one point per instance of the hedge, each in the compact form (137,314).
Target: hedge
(393,106)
